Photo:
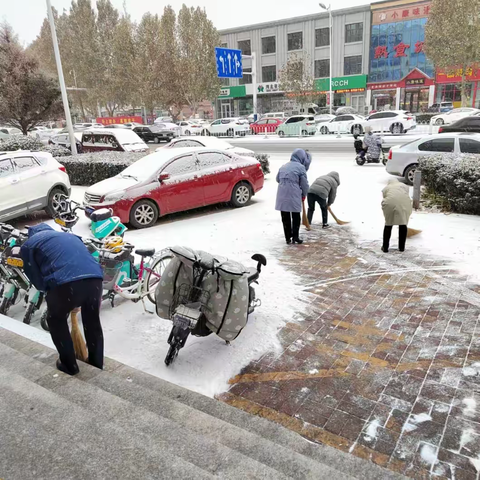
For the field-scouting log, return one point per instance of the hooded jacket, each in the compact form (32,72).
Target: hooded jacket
(54,258)
(293,183)
(396,204)
(326,187)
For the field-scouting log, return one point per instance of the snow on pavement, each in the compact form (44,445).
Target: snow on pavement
(205,365)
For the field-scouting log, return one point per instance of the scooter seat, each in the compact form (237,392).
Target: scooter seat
(146,252)
(253,274)
(99,215)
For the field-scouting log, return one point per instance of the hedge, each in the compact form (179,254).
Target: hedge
(20,142)
(424,118)
(89,168)
(263,159)
(453,180)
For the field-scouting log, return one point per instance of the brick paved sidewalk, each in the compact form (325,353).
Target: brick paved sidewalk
(385,365)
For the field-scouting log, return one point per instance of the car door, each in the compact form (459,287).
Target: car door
(375,121)
(12,198)
(471,124)
(34,181)
(436,145)
(217,173)
(183,189)
(215,127)
(469,145)
(261,126)
(345,124)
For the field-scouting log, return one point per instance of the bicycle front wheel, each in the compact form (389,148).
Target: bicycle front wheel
(154,275)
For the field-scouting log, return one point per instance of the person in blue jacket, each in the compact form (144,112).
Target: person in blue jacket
(59,264)
(292,190)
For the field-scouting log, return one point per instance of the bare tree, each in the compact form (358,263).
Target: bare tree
(452,37)
(296,78)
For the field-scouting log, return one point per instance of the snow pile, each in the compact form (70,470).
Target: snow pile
(470,406)
(371,431)
(429,454)
(414,420)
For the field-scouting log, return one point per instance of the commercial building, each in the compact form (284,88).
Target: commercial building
(400,76)
(273,42)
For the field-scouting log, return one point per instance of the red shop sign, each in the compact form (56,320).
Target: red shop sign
(120,120)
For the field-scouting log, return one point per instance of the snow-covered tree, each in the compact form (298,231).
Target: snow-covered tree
(452,37)
(27,96)
(296,78)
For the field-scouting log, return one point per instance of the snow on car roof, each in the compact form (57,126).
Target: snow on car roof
(211,142)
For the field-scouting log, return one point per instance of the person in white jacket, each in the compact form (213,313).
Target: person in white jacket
(397,208)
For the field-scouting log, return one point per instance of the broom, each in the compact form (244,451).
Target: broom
(305,221)
(77,338)
(340,222)
(411,232)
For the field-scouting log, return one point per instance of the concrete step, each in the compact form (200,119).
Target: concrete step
(159,404)
(45,437)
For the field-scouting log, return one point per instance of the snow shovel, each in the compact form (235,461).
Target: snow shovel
(304,218)
(77,338)
(412,232)
(340,222)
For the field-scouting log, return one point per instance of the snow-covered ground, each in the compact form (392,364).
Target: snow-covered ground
(139,339)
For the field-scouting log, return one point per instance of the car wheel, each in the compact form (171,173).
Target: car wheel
(205,133)
(281,133)
(187,133)
(156,140)
(410,174)
(54,204)
(304,133)
(396,128)
(143,214)
(241,195)
(324,130)
(230,132)
(357,130)
(439,121)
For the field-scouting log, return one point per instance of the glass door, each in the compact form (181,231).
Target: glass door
(226,110)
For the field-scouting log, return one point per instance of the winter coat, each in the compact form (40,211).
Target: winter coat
(326,187)
(54,258)
(293,183)
(396,203)
(373,143)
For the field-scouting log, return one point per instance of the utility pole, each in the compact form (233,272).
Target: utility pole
(329,10)
(61,79)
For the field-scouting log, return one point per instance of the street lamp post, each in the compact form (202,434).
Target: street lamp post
(61,79)
(330,28)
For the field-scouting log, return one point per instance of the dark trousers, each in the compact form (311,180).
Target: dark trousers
(402,237)
(86,294)
(312,198)
(291,225)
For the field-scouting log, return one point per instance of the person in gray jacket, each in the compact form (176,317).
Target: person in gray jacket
(323,191)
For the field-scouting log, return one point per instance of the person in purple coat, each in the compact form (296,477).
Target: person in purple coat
(292,190)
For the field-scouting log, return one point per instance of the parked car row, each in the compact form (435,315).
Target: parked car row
(453,115)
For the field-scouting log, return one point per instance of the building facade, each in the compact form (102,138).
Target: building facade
(272,44)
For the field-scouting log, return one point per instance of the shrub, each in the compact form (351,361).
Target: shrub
(21,142)
(424,118)
(89,168)
(263,159)
(454,179)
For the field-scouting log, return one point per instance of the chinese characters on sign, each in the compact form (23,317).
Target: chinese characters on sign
(119,120)
(398,14)
(415,81)
(419,47)
(381,51)
(400,49)
(268,88)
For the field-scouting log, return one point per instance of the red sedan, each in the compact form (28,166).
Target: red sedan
(269,124)
(174,180)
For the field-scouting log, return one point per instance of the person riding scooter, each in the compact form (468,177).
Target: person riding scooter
(372,143)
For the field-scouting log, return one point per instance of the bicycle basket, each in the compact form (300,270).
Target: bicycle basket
(187,294)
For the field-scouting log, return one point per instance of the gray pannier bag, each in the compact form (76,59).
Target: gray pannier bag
(179,271)
(228,305)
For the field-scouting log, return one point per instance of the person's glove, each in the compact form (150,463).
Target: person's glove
(303,199)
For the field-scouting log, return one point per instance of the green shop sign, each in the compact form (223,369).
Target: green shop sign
(233,92)
(352,83)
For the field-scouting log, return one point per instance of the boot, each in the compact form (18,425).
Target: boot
(64,369)
(298,240)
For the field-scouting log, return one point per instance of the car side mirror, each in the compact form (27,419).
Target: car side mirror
(163,177)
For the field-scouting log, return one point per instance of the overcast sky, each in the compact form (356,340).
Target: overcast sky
(26,16)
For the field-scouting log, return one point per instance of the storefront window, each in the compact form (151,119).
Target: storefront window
(414,100)
(384,100)
(339,99)
(452,92)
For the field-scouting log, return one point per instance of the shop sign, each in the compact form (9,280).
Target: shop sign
(268,88)
(120,120)
(414,81)
(232,92)
(400,14)
(454,75)
(382,86)
(342,84)
(382,50)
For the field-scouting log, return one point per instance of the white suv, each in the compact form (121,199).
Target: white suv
(227,127)
(30,181)
(393,121)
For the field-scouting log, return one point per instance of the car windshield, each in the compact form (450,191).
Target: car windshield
(147,166)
